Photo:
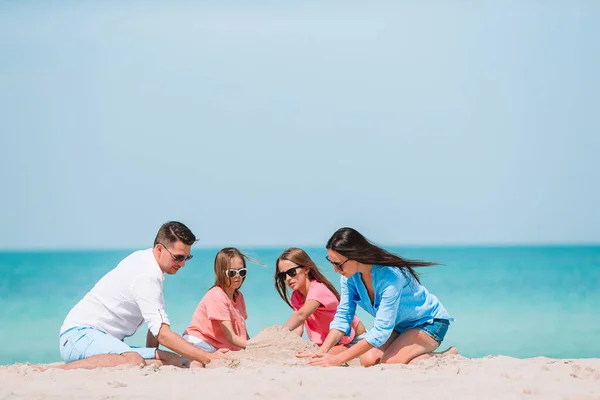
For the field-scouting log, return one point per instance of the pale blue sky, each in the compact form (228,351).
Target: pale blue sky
(275,123)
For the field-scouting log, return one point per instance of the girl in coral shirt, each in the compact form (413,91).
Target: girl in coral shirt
(220,319)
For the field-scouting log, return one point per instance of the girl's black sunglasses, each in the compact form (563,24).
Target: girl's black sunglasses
(290,272)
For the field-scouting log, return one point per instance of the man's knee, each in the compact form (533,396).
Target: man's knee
(133,358)
(169,358)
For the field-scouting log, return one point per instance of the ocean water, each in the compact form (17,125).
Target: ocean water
(515,301)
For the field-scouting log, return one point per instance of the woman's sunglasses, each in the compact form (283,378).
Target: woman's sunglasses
(232,273)
(337,264)
(178,257)
(292,272)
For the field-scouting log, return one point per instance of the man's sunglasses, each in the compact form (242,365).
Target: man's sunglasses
(292,272)
(337,264)
(232,273)
(178,257)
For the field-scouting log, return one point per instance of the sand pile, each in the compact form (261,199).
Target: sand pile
(273,345)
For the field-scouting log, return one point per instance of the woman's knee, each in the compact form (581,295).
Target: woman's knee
(395,360)
(370,358)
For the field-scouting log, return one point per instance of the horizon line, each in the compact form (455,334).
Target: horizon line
(309,246)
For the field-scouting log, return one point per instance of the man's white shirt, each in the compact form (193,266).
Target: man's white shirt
(124,298)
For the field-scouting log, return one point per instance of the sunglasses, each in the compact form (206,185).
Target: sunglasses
(337,264)
(292,272)
(178,257)
(232,273)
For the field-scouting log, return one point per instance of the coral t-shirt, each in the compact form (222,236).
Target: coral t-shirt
(317,325)
(214,307)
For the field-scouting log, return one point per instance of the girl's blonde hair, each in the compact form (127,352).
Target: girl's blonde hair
(300,258)
(223,262)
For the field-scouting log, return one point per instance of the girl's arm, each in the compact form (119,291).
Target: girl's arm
(299,330)
(333,337)
(232,338)
(298,317)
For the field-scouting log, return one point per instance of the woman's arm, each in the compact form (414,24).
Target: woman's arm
(346,309)
(230,335)
(357,350)
(298,317)
(383,326)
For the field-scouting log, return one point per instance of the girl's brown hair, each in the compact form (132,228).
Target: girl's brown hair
(223,261)
(300,258)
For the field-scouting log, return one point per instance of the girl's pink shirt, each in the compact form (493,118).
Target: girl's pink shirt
(214,307)
(317,325)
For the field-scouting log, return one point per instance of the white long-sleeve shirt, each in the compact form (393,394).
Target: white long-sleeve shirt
(124,298)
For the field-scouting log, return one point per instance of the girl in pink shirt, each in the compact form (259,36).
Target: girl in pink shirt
(314,299)
(220,319)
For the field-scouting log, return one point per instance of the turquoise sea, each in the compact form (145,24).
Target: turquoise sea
(516,301)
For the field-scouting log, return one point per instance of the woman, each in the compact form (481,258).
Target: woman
(410,323)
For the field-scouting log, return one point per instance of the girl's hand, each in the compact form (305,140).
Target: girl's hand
(309,354)
(325,360)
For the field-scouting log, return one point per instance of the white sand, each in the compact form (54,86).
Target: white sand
(268,369)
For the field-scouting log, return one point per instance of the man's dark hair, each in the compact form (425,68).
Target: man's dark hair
(172,231)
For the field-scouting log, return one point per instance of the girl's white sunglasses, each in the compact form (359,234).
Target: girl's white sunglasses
(231,273)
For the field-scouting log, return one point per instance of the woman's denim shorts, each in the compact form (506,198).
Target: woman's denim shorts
(437,329)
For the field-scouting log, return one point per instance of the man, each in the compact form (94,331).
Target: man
(132,293)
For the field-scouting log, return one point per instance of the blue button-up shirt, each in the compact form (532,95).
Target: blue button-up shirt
(400,303)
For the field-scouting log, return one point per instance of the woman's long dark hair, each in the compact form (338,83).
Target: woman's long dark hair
(351,244)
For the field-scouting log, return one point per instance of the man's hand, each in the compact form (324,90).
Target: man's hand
(220,353)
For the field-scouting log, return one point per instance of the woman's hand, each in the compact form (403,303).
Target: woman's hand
(325,360)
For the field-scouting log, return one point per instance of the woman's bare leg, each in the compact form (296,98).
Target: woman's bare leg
(448,352)
(411,344)
(374,355)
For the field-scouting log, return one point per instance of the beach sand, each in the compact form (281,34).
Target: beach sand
(268,369)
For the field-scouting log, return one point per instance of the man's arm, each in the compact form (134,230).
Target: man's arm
(151,340)
(179,345)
